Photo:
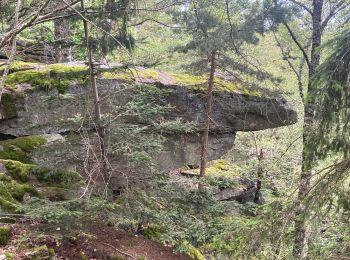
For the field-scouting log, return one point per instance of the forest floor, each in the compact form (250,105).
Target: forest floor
(93,241)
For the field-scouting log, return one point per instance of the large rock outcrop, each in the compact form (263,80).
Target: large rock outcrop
(35,107)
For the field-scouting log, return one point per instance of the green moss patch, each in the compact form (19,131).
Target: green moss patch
(12,192)
(20,180)
(55,76)
(25,172)
(193,82)
(8,106)
(218,167)
(17,66)
(19,149)
(4,235)
(17,170)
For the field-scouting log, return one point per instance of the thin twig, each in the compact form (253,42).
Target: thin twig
(119,251)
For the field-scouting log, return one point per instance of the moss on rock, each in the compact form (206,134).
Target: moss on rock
(19,149)
(17,66)
(17,170)
(197,83)
(23,178)
(12,192)
(23,172)
(55,76)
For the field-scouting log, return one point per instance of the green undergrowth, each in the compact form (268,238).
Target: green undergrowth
(19,149)
(190,250)
(55,76)
(8,106)
(4,235)
(193,82)
(57,178)
(153,231)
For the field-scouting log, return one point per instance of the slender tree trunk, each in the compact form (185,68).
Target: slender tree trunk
(13,50)
(208,111)
(257,197)
(63,49)
(97,107)
(307,160)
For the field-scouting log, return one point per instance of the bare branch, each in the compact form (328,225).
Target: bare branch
(20,28)
(301,48)
(92,23)
(286,58)
(13,49)
(333,11)
(156,21)
(302,6)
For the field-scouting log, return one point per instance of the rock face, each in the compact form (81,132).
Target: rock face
(48,112)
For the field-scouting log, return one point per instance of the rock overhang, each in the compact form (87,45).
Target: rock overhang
(37,110)
(235,107)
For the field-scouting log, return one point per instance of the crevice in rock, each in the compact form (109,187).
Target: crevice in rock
(4,137)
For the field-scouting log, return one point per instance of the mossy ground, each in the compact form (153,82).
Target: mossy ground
(55,76)
(19,149)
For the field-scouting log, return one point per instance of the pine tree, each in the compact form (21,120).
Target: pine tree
(219,29)
(319,12)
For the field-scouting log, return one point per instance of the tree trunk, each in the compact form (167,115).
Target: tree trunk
(97,108)
(63,48)
(205,137)
(13,49)
(307,160)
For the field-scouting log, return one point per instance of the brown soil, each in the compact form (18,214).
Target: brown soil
(95,241)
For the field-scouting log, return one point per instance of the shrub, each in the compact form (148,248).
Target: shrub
(4,235)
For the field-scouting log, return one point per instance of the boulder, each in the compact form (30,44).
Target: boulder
(57,103)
